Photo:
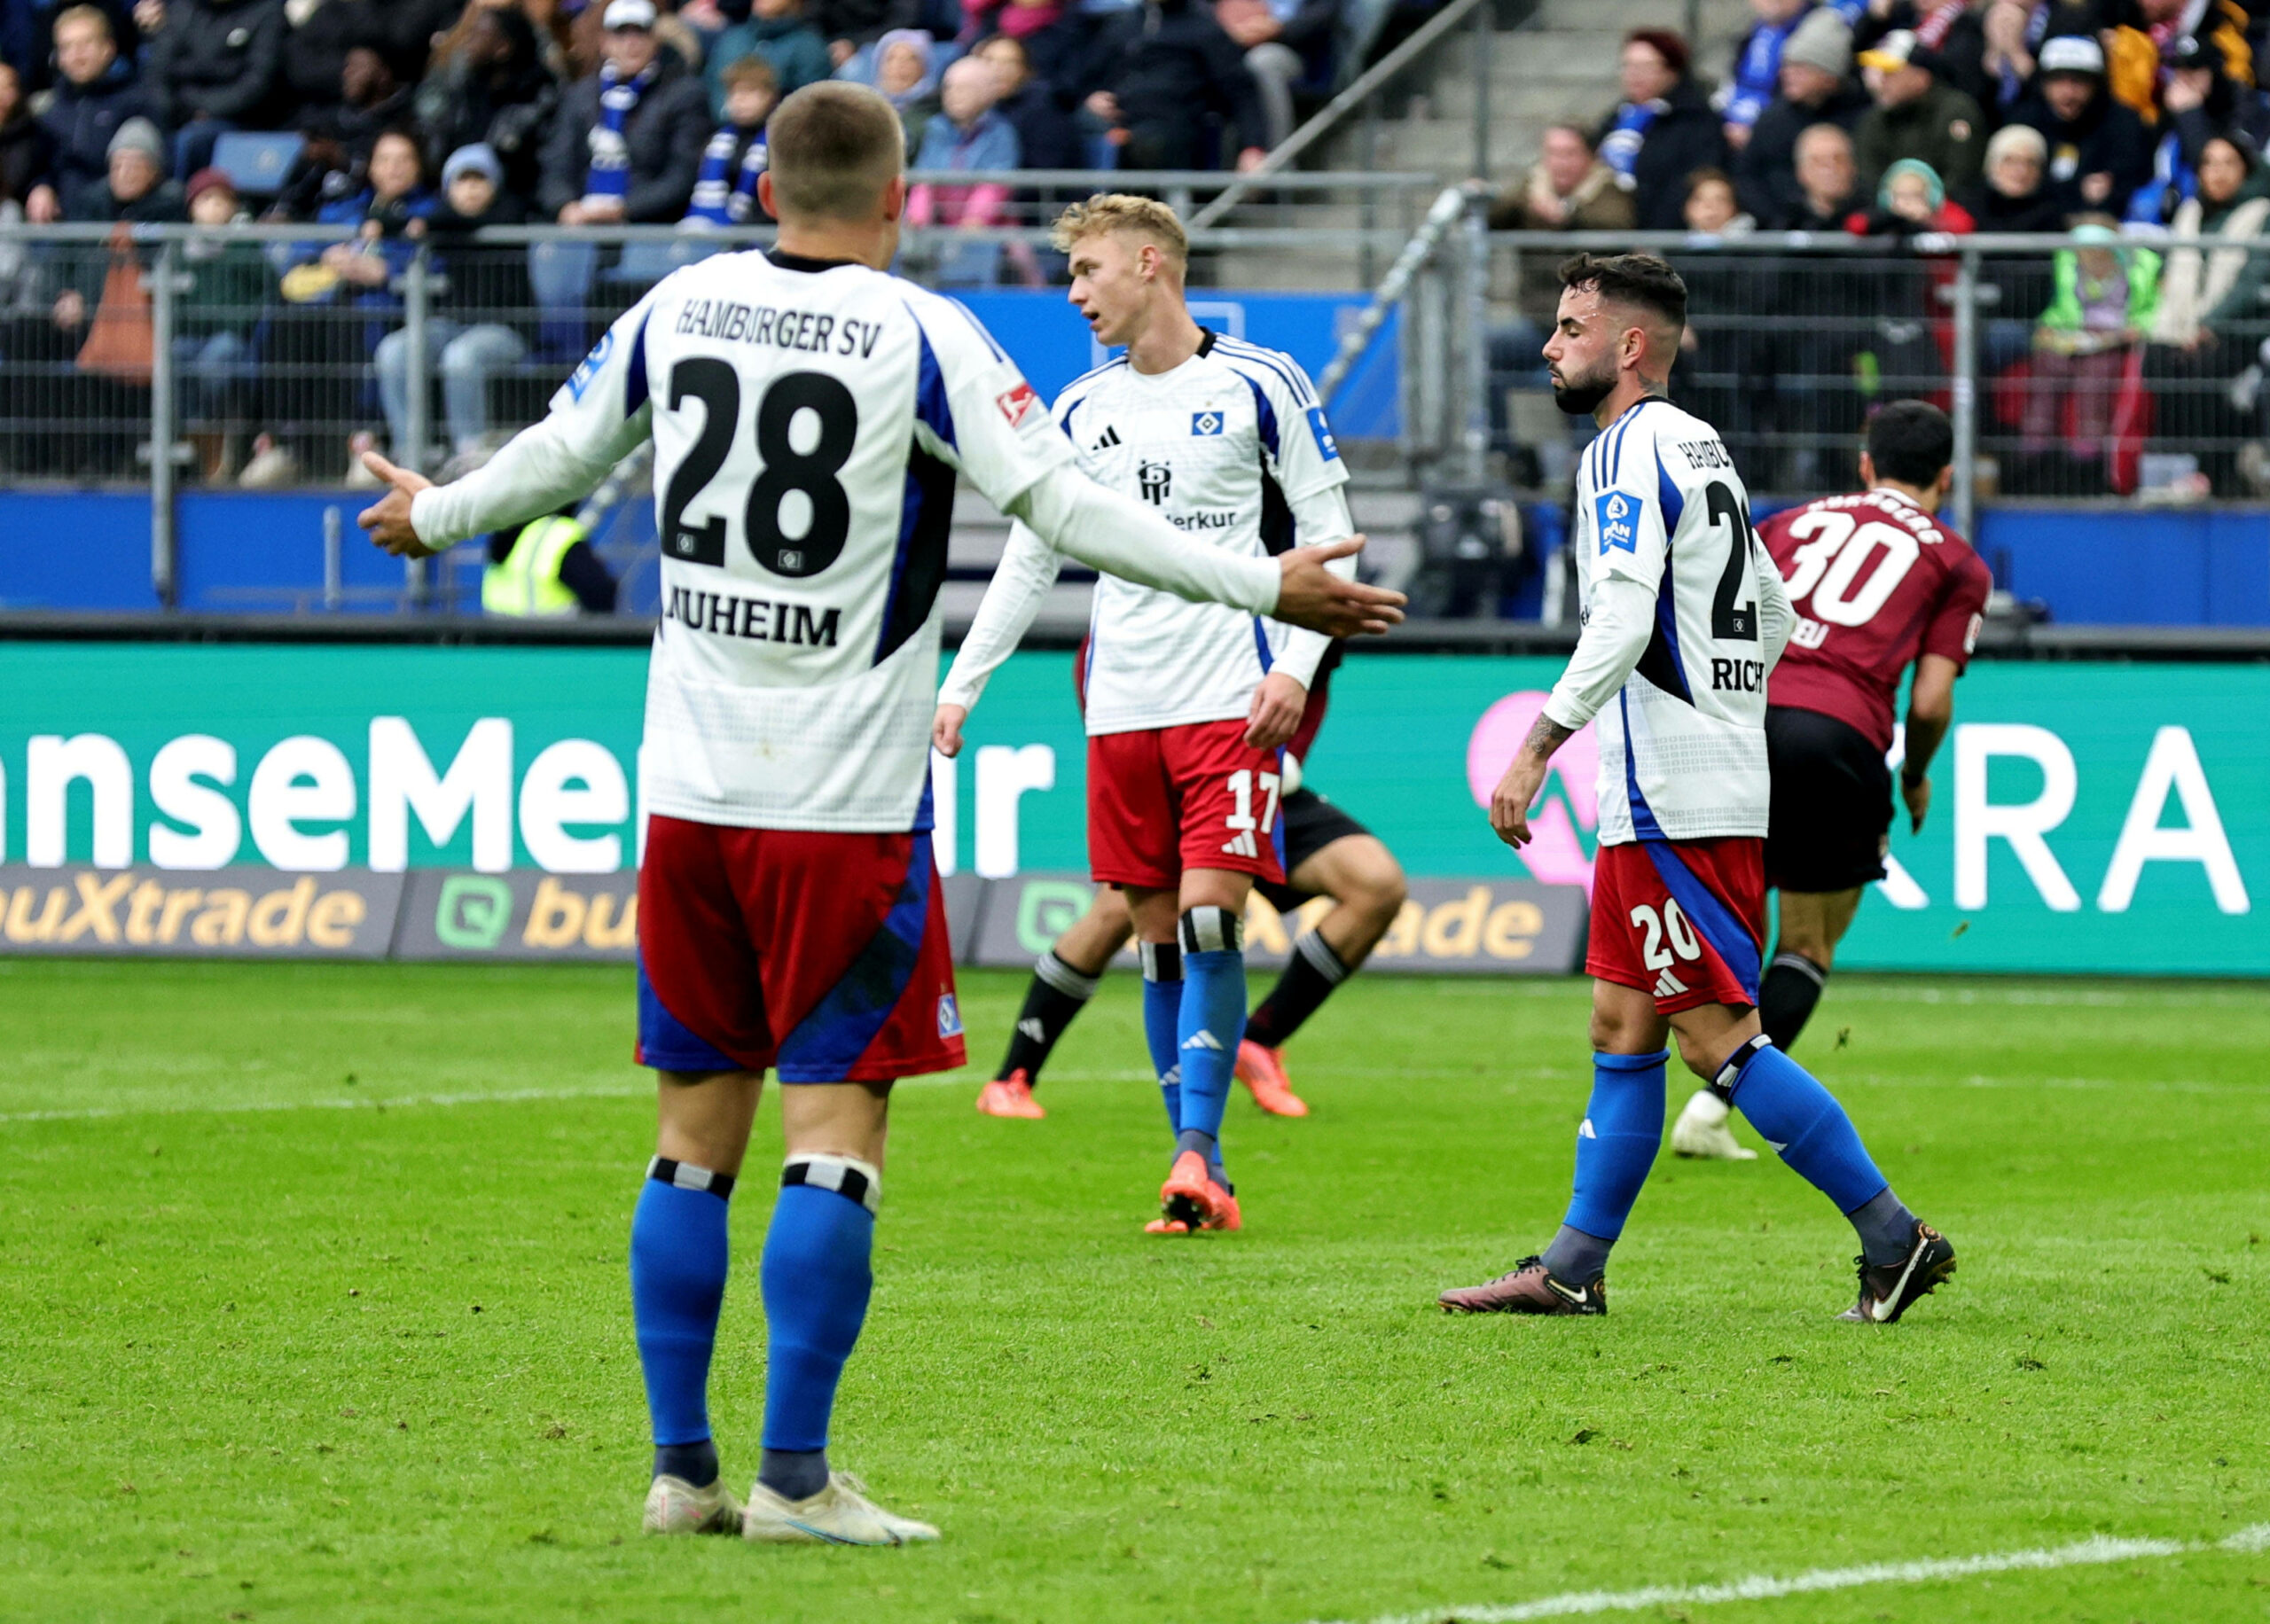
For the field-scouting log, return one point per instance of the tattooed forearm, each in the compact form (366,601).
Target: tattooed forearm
(1546,737)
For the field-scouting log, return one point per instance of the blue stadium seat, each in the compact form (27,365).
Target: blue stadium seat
(256,162)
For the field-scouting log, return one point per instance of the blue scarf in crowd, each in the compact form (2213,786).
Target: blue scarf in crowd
(608,179)
(726,192)
(1619,149)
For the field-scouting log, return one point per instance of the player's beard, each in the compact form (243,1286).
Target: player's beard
(1580,396)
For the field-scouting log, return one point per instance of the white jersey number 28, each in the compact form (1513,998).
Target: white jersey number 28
(794,489)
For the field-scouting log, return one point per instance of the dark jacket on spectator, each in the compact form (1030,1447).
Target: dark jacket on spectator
(315,53)
(1942,127)
(2105,139)
(484,282)
(26,156)
(1961,50)
(218,59)
(1684,137)
(1169,64)
(1766,171)
(89,264)
(81,122)
(862,22)
(1045,131)
(1598,204)
(1996,213)
(509,106)
(794,48)
(1806,220)
(666,134)
(1059,56)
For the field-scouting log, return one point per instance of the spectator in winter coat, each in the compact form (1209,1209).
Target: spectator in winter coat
(2014,193)
(1916,116)
(96,93)
(1662,131)
(777,31)
(628,141)
(2211,320)
(491,89)
(1816,88)
(1756,75)
(737,155)
(473,335)
(966,135)
(2099,153)
(1829,180)
(225,285)
(1045,137)
(315,52)
(1164,73)
(1951,30)
(213,66)
(136,192)
(26,148)
(906,74)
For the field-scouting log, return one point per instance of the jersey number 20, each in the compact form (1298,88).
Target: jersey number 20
(787,472)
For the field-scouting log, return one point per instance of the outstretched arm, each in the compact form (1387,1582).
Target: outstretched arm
(1021,581)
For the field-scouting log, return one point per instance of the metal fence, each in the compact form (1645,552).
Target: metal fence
(2073,368)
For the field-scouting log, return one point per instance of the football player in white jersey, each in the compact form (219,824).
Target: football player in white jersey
(1684,616)
(809,414)
(1188,705)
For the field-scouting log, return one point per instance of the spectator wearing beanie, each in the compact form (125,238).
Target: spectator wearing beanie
(1662,131)
(135,192)
(1915,115)
(225,285)
(213,66)
(1816,87)
(2099,153)
(1756,76)
(2013,194)
(96,91)
(477,330)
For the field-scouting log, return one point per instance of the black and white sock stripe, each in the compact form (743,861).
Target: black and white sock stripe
(686,1175)
(1060,975)
(854,1179)
(1313,947)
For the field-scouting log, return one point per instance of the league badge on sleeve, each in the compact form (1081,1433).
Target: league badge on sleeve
(591,366)
(1326,445)
(1207,422)
(1616,515)
(1019,405)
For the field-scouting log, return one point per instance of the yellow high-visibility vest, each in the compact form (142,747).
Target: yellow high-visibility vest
(528,583)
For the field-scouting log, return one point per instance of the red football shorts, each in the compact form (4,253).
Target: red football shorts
(1681,920)
(825,955)
(1193,797)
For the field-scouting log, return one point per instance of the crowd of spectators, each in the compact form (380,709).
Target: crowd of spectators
(420,122)
(1909,124)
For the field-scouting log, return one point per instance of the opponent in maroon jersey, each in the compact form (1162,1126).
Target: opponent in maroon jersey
(1877,584)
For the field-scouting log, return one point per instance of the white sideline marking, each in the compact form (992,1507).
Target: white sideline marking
(95,1113)
(1763,1588)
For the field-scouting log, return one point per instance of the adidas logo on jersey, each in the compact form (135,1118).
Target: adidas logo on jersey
(1106,440)
(1202,1039)
(1668,986)
(1241,845)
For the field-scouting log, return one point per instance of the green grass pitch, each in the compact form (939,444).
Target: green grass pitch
(274,1352)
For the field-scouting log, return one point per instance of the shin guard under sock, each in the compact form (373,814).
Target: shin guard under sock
(678,1260)
(1162,1014)
(1212,1018)
(1058,994)
(1786,997)
(1615,1147)
(1311,976)
(817,1283)
(1804,1123)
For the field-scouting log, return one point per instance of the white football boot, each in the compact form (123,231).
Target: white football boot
(675,1506)
(840,1514)
(1702,1131)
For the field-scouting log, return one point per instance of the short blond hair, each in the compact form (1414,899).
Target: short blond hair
(94,14)
(1117,211)
(833,148)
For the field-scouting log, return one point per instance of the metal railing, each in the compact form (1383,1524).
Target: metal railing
(2058,384)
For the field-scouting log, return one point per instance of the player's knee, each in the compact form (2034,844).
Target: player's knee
(1208,928)
(1380,889)
(1703,1057)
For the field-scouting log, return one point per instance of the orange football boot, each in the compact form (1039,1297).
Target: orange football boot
(1262,1071)
(1009,1096)
(1192,1199)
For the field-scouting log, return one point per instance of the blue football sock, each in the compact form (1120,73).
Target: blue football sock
(1162,1011)
(815,1287)
(1802,1121)
(678,1280)
(1616,1146)
(1212,1019)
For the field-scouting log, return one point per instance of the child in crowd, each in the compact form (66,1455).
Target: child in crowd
(2106,296)
(725,194)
